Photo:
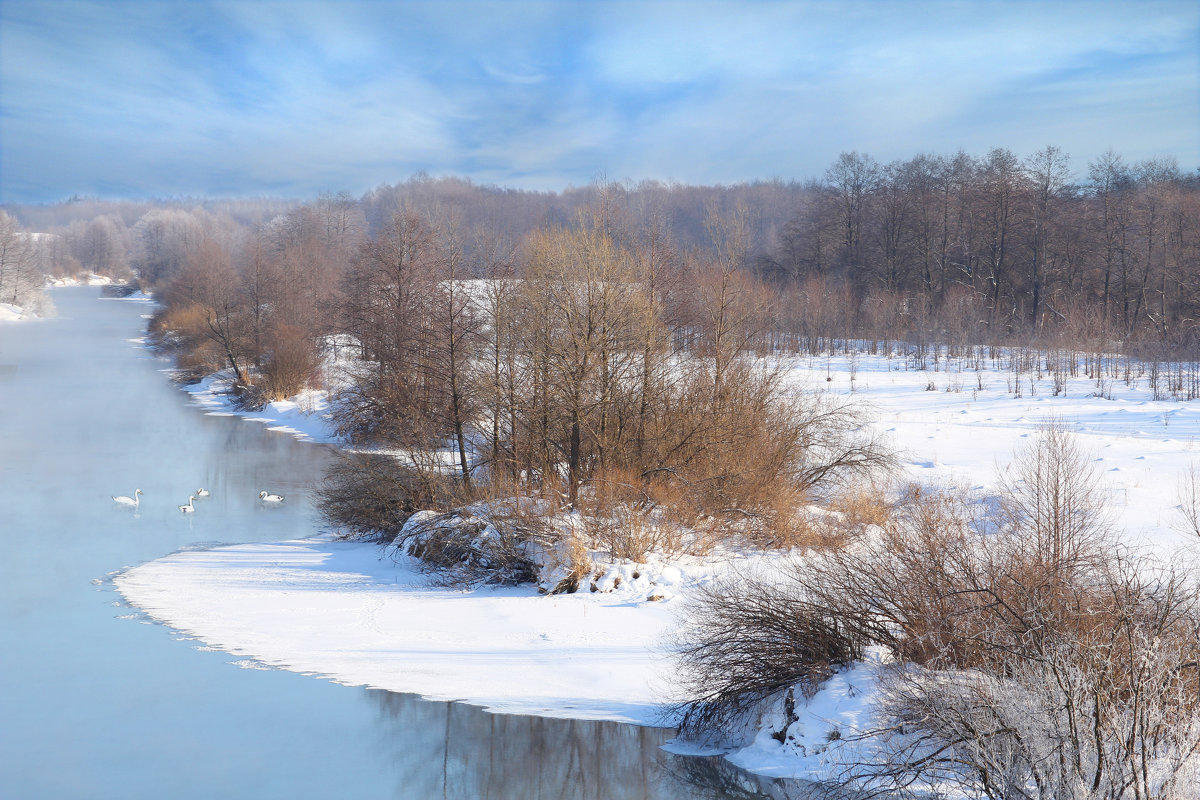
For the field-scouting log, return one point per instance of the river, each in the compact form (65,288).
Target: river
(96,701)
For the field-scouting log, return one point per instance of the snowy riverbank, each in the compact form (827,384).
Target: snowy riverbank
(342,611)
(40,305)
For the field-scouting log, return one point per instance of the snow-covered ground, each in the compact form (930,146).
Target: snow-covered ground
(346,612)
(10,313)
(303,416)
(963,436)
(40,306)
(91,279)
(338,610)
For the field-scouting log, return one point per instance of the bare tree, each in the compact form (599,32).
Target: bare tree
(579,283)
(455,341)
(1189,499)
(208,285)
(1049,173)
(20,279)
(1053,501)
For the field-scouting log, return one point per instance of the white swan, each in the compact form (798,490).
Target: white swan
(270,498)
(189,508)
(125,500)
(202,493)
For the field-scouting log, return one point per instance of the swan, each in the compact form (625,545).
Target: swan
(125,500)
(189,508)
(270,498)
(202,493)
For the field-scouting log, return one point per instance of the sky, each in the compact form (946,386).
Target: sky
(158,99)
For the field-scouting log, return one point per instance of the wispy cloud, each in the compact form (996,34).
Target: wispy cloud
(165,98)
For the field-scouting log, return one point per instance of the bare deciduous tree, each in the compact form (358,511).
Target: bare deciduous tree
(20,279)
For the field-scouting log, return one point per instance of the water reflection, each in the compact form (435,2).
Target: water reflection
(461,752)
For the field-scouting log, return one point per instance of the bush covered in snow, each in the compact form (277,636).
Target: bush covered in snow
(497,544)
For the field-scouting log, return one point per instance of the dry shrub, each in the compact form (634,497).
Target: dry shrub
(1098,704)
(1034,657)
(293,360)
(862,506)
(623,531)
(931,588)
(501,543)
(184,321)
(629,516)
(750,457)
(372,495)
(185,332)
(747,638)
(180,330)
(567,565)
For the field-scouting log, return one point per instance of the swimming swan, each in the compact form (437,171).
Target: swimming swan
(202,493)
(129,501)
(270,498)
(189,508)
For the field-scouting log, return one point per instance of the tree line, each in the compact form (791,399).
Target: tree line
(953,248)
(997,249)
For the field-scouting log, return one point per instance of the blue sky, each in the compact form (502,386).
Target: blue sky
(160,99)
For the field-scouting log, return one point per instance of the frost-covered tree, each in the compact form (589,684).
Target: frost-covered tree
(20,276)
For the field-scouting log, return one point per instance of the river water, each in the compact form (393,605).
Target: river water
(96,701)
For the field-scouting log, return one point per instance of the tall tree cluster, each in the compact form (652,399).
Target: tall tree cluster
(257,299)
(596,366)
(998,248)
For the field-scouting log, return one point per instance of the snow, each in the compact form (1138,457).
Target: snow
(340,610)
(961,438)
(10,313)
(304,416)
(829,723)
(344,612)
(91,279)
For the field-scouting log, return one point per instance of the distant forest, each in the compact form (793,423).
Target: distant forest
(951,249)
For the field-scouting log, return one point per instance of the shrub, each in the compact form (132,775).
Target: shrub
(292,362)
(1105,708)
(499,543)
(749,637)
(372,495)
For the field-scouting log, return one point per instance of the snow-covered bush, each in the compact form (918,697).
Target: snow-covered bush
(1104,708)
(501,543)
(748,637)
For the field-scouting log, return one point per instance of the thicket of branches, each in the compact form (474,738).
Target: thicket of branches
(599,370)
(996,249)
(1034,656)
